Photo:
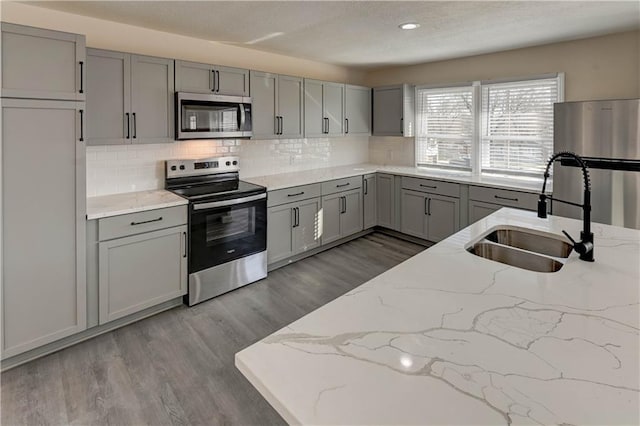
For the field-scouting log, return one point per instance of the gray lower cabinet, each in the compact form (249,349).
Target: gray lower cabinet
(357,110)
(42,64)
(323,108)
(293,228)
(194,77)
(277,105)
(479,209)
(130,98)
(393,110)
(43,223)
(369,201)
(385,200)
(341,215)
(485,200)
(429,216)
(142,261)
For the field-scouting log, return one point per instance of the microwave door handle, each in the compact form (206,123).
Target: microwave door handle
(241,117)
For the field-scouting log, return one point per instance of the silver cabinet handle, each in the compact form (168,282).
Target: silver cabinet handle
(146,221)
(497,197)
(214,204)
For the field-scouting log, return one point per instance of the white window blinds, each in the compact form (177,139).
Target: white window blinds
(444,130)
(517,126)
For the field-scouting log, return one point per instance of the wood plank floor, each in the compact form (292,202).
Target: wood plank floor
(178,367)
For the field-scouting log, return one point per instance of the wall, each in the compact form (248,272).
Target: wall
(110,35)
(606,67)
(115,169)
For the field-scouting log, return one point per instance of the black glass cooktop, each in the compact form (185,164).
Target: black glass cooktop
(221,189)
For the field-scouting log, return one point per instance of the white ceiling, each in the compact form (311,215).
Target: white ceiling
(365,33)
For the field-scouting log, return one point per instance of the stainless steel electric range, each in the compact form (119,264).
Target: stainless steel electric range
(227,225)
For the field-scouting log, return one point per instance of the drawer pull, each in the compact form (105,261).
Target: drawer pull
(296,194)
(344,184)
(428,186)
(497,197)
(146,221)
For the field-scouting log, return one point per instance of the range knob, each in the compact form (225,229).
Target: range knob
(182,167)
(173,168)
(235,163)
(228,163)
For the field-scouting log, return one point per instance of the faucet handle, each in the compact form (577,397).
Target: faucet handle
(569,237)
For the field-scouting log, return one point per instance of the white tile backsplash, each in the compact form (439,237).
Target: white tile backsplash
(128,168)
(392,151)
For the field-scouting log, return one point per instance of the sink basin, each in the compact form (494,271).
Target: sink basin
(513,257)
(541,244)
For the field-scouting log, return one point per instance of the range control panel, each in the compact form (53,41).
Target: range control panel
(203,166)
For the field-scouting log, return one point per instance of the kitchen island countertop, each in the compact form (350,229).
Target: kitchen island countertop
(447,337)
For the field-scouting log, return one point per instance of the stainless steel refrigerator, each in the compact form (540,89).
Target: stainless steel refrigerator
(607,135)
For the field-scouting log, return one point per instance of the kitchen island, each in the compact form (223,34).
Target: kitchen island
(448,337)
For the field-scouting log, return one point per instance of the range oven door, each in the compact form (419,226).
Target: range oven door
(201,116)
(222,231)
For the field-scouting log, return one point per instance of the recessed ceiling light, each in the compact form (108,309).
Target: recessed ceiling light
(409,26)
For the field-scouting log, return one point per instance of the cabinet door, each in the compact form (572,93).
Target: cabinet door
(307,231)
(369,205)
(141,271)
(385,200)
(231,81)
(333,98)
(413,213)
(443,216)
(387,111)
(42,64)
(331,207)
(152,100)
(357,110)
(290,109)
(314,122)
(43,217)
(108,85)
(194,77)
(264,88)
(280,221)
(478,210)
(351,217)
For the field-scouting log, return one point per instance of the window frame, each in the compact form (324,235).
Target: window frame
(477,117)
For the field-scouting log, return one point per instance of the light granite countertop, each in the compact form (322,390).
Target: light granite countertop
(447,337)
(287,180)
(131,202)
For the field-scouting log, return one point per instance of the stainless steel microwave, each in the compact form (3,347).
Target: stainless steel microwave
(203,116)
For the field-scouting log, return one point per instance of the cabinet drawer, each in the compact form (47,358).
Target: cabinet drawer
(431,186)
(504,197)
(338,185)
(295,193)
(136,223)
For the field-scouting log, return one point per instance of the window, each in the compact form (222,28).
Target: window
(445,127)
(510,132)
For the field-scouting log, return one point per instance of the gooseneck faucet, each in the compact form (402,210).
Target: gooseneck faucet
(585,246)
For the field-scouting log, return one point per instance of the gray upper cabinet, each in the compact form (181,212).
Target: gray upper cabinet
(369,206)
(277,105)
(357,107)
(130,98)
(42,64)
(205,78)
(323,108)
(43,225)
(393,110)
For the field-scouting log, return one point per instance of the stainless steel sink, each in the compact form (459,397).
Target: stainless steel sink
(514,257)
(536,243)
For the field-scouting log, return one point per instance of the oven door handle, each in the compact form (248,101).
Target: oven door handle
(225,203)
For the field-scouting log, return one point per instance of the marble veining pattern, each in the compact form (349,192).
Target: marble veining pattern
(450,338)
(131,202)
